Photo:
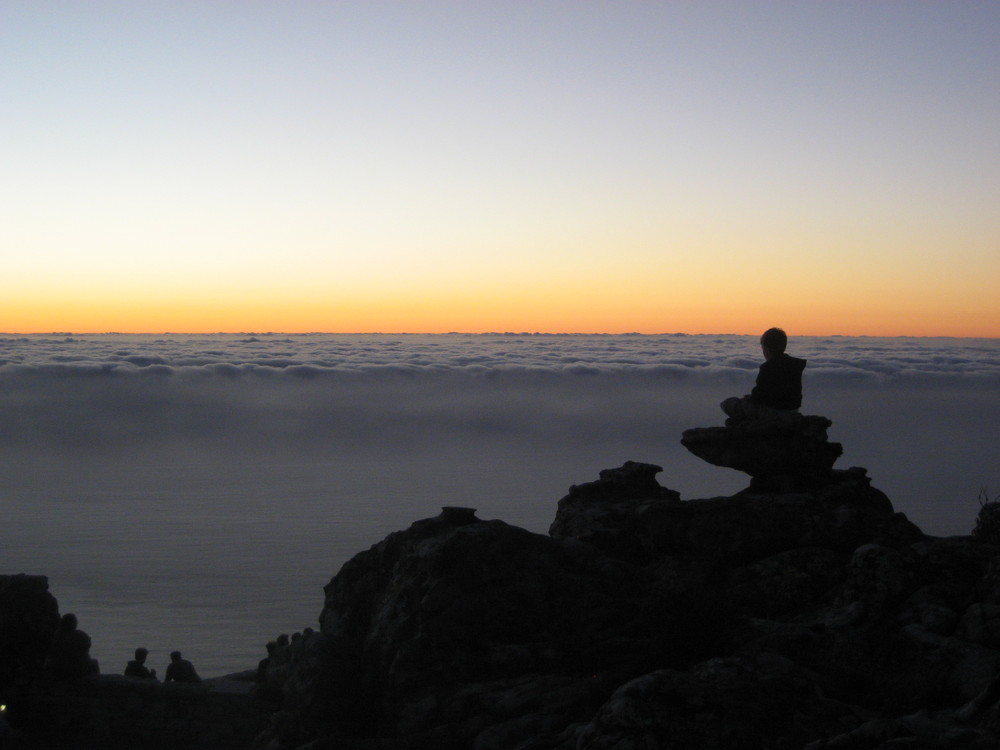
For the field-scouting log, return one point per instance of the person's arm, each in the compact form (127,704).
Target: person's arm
(763,390)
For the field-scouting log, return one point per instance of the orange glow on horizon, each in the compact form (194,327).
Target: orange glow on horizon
(478,311)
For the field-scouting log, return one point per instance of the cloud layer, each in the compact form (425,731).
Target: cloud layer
(85,392)
(302,354)
(132,465)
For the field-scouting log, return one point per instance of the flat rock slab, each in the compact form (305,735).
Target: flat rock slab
(786,445)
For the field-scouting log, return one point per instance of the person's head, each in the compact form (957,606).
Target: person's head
(141,654)
(175,656)
(773,342)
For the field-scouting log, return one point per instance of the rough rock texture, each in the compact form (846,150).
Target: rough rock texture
(799,615)
(769,620)
(457,626)
(787,450)
(29,615)
(643,526)
(103,711)
(112,712)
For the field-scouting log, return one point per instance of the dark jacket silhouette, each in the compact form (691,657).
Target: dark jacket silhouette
(137,667)
(779,382)
(180,670)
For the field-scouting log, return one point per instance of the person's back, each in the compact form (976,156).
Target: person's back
(779,383)
(180,670)
(137,667)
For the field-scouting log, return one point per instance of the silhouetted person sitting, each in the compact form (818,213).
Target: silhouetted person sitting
(69,655)
(779,382)
(137,667)
(180,670)
(265,664)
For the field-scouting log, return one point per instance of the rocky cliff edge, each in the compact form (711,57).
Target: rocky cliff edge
(812,617)
(803,613)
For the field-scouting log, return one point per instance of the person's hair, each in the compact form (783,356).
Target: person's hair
(175,655)
(774,339)
(141,653)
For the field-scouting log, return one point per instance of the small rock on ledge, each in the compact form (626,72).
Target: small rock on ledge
(457,515)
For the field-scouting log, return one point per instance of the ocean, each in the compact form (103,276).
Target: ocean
(196,492)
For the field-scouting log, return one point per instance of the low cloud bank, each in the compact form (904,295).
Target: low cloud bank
(308,355)
(922,414)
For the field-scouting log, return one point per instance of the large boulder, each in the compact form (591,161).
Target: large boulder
(784,451)
(614,512)
(458,627)
(768,619)
(727,703)
(29,615)
(627,515)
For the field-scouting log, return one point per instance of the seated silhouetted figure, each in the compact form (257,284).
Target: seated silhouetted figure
(264,665)
(180,670)
(137,667)
(69,655)
(779,382)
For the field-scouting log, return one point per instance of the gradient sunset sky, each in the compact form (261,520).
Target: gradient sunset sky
(702,167)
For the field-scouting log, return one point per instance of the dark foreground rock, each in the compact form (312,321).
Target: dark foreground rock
(810,618)
(818,619)
(29,615)
(50,711)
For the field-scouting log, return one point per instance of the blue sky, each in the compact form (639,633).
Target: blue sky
(491,166)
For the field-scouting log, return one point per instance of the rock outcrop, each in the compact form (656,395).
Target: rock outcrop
(29,615)
(460,631)
(816,618)
(803,613)
(784,451)
(53,709)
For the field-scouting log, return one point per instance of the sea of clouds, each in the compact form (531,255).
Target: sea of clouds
(177,486)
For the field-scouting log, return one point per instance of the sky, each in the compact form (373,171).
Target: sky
(699,167)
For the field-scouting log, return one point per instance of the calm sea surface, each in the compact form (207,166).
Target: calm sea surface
(197,492)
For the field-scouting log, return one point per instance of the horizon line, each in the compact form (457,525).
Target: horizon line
(474,333)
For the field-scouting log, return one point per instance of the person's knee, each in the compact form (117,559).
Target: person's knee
(731,405)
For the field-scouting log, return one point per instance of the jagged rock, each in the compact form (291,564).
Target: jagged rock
(812,616)
(721,703)
(642,522)
(613,513)
(431,633)
(29,615)
(981,624)
(785,450)
(970,727)
(698,623)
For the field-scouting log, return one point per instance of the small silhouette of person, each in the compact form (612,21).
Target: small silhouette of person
(180,670)
(137,667)
(778,389)
(69,654)
(264,665)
